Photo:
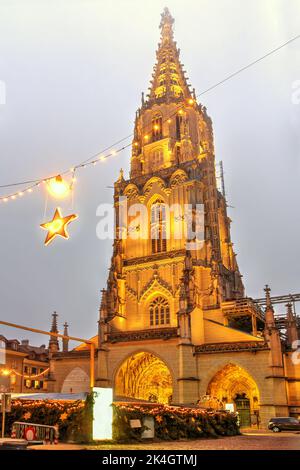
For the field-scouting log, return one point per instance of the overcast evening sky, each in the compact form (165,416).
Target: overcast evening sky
(74,72)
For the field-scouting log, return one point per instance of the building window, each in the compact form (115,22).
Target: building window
(27,383)
(13,379)
(37,384)
(158,227)
(159,312)
(156,128)
(178,127)
(156,159)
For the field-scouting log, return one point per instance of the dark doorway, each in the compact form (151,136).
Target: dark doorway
(242,404)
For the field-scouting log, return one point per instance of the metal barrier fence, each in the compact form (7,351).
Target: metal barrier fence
(35,432)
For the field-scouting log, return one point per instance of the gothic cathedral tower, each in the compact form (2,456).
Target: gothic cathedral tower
(155,283)
(174,324)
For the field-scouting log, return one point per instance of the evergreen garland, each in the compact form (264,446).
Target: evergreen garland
(74,419)
(172,422)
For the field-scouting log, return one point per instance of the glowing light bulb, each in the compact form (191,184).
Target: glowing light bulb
(156,127)
(169,121)
(57,187)
(5,372)
(180,111)
(191,101)
(146,137)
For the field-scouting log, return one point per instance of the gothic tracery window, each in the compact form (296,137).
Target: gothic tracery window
(157,128)
(159,312)
(178,127)
(158,227)
(156,159)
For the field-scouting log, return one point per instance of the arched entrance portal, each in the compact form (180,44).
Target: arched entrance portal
(233,385)
(146,377)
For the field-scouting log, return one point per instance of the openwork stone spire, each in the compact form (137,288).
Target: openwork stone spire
(169,83)
(166,26)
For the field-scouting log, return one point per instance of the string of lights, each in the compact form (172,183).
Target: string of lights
(31,185)
(31,376)
(51,181)
(15,372)
(91,161)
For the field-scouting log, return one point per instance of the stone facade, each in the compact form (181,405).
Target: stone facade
(175,325)
(25,365)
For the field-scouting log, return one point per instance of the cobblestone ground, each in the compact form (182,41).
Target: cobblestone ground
(254,441)
(259,440)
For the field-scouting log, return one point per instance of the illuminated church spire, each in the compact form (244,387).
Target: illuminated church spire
(166,26)
(171,128)
(169,82)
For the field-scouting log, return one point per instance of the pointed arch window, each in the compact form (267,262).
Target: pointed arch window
(156,128)
(158,227)
(157,159)
(159,312)
(178,126)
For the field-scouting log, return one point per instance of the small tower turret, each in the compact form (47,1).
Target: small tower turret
(272,335)
(291,326)
(65,341)
(53,342)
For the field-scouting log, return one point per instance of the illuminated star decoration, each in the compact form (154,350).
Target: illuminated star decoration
(57,226)
(27,415)
(63,416)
